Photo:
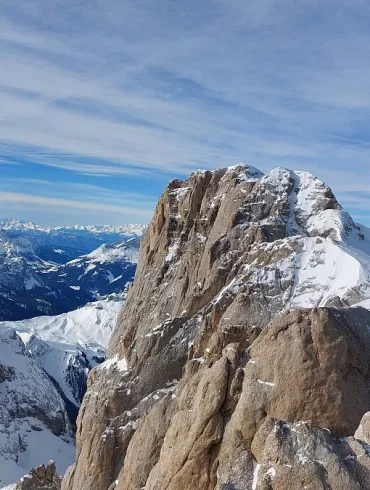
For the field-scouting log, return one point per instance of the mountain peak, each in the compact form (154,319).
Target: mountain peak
(228,254)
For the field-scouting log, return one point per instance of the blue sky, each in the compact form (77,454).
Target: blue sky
(102,102)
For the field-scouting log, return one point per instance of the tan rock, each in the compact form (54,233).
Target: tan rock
(144,448)
(186,457)
(209,281)
(309,365)
(301,455)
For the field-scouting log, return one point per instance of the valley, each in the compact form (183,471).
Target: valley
(39,277)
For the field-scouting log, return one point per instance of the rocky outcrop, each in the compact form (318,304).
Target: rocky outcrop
(302,455)
(227,335)
(41,478)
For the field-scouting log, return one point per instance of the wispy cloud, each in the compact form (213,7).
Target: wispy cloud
(78,194)
(12,197)
(88,202)
(128,88)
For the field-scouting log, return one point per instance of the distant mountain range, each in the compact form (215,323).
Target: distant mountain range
(49,271)
(72,240)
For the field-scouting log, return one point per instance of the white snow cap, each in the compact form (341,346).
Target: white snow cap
(246,172)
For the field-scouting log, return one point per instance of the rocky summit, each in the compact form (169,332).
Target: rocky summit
(241,359)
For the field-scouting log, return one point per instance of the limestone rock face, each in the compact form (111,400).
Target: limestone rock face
(309,365)
(227,335)
(41,478)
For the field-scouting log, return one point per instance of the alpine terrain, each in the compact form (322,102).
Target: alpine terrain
(44,363)
(241,359)
(31,285)
(34,422)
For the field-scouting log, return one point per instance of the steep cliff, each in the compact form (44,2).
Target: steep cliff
(237,332)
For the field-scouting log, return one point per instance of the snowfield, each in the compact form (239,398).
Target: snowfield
(67,346)
(89,327)
(36,355)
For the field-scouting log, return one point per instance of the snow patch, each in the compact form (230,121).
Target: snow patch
(31,283)
(256,468)
(265,382)
(172,251)
(119,364)
(58,251)
(180,193)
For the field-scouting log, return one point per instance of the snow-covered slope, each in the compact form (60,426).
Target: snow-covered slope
(315,256)
(44,363)
(109,253)
(20,273)
(67,346)
(31,286)
(34,425)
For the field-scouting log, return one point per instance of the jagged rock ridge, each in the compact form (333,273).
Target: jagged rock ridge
(237,331)
(41,478)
